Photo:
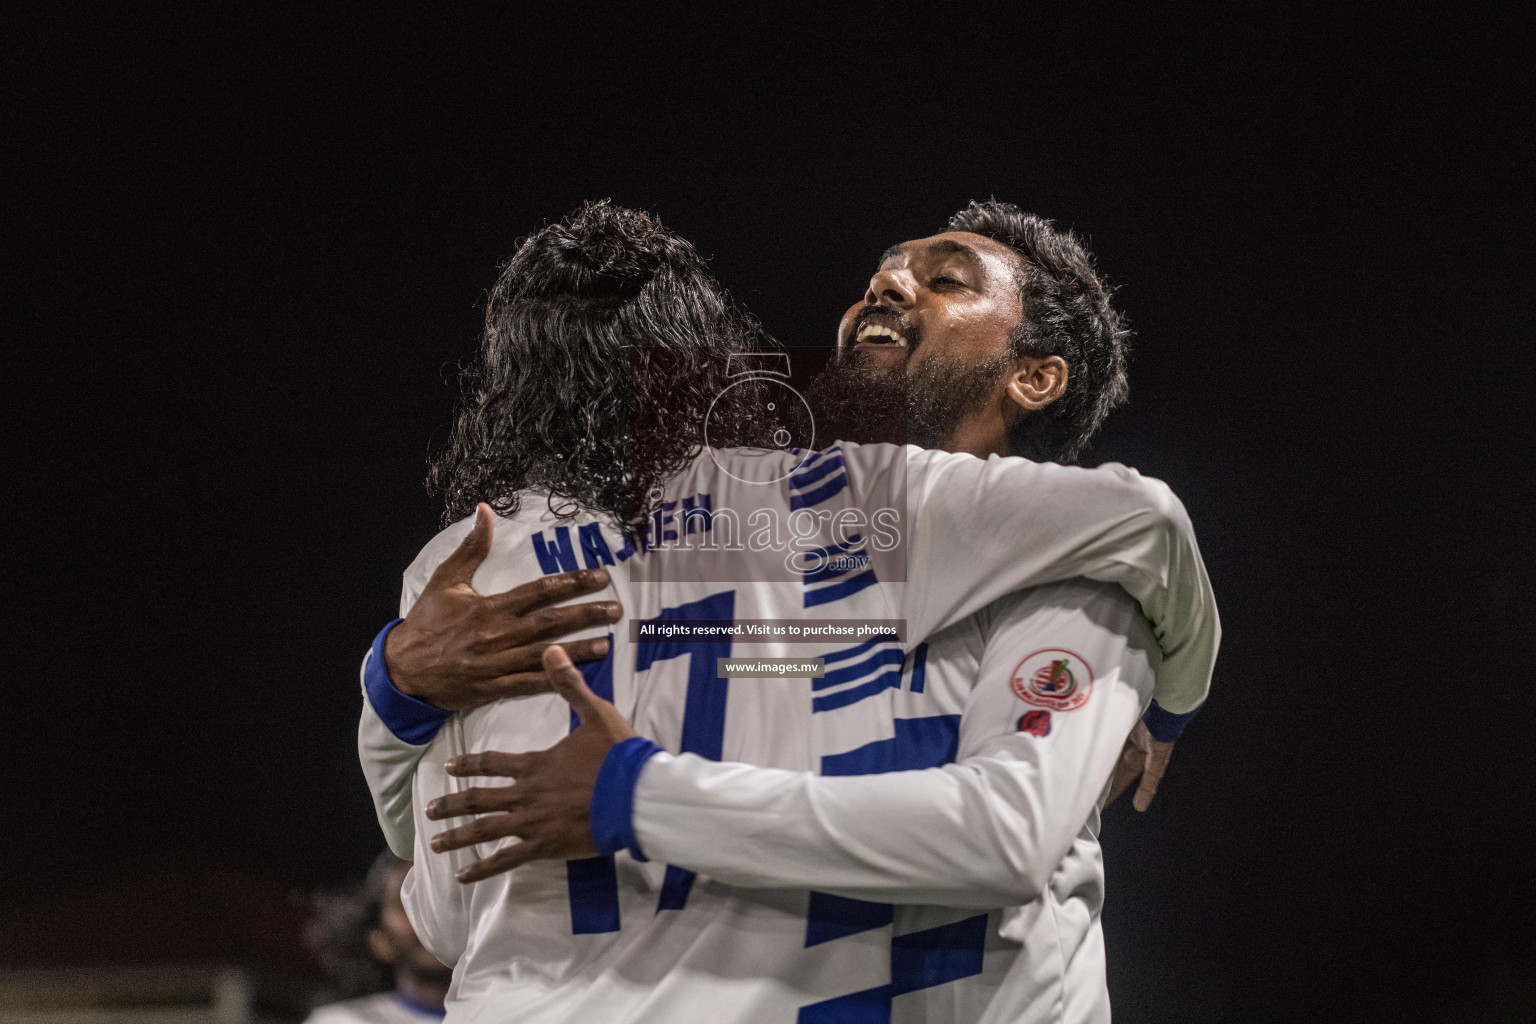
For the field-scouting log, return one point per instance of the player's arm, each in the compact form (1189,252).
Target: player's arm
(458,648)
(982,528)
(988,830)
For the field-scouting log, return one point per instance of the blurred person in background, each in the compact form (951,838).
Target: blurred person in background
(366,944)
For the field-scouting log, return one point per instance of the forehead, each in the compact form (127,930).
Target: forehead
(991,255)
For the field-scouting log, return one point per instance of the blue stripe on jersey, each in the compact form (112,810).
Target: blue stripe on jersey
(918,743)
(872,1006)
(919,960)
(936,956)
(920,667)
(698,514)
(848,673)
(838,591)
(675,888)
(592,884)
(556,557)
(842,698)
(599,677)
(803,480)
(704,709)
(662,520)
(704,706)
(820,494)
(831,917)
(825,453)
(594,549)
(854,652)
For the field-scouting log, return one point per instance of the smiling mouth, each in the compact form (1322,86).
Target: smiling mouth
(879,334)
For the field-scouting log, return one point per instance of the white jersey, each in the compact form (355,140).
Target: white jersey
(692,937)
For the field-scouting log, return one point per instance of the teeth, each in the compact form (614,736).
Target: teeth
(875,330)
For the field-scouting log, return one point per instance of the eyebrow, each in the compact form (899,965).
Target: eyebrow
(943,247)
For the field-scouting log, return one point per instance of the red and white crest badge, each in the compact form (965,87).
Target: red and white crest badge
(1053,678)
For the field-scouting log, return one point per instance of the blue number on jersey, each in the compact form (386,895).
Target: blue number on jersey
(592,884)
(921,959)
(704,709)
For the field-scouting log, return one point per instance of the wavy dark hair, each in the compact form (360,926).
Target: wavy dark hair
(1067,313)
(605,345)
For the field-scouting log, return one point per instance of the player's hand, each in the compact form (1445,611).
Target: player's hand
(458,648)
(1142,757)
(549,808)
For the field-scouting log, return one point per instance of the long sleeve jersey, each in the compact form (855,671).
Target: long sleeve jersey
(969,531)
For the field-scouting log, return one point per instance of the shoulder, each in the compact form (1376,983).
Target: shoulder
(438,548)
(509,542)
(1074,606)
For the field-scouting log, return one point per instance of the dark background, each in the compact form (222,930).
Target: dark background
(247,257)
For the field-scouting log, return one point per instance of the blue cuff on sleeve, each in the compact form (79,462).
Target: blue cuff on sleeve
(1165,726)
(613,797)
(412,721)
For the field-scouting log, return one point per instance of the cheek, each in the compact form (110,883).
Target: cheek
(979,334)
(845,325)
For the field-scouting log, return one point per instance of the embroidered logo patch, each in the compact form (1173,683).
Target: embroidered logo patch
(1053,678)
(1036,723)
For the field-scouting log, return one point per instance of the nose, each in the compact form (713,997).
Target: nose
(895,287)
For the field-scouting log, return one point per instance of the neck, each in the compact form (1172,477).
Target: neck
(975,435)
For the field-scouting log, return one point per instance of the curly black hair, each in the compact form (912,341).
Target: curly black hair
(604,347)
(1067,313)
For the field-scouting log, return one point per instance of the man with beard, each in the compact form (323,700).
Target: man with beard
(711,951)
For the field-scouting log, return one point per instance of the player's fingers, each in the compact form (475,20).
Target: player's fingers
(1158,756)
(489,762)
(514,633)
(480,800)
(569,684)
(526,676)
(515,684)
(530,657)
(460,566)
(502,860)
(550,590)
(486,829)
(1126,770)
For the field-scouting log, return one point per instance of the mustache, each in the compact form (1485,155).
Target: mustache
(906,326)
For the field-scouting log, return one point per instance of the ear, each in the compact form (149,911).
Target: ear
(380,946)
(1036,383)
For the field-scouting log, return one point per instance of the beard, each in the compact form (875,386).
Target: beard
(870,400)
(859,398)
